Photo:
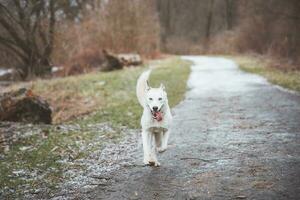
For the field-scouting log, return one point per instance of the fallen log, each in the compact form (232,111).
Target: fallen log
(130,59)
(111,62)
(90,59)
(24,106)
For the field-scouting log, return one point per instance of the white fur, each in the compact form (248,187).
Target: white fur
(155,133)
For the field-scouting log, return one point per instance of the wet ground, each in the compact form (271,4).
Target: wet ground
(235,136)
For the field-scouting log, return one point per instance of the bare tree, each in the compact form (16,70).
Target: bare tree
(27,31)
(230,6)
(164,7)
(209,18)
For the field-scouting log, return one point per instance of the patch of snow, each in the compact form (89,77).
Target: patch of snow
(5,71)
(56,69)
(101,83)
(96,168)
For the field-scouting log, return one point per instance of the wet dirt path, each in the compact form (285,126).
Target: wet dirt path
(234,137)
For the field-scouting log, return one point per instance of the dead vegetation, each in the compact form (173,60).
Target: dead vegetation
(132,27)
(36,35)
(270,28)
(90,60)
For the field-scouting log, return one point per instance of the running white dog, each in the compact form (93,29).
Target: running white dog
(156,119)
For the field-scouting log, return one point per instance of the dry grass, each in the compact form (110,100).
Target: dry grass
(265,66)
(118,26)
(110,94)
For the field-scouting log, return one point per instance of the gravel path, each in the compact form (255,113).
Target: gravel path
(235,136)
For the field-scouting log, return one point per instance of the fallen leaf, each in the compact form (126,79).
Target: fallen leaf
(29,93)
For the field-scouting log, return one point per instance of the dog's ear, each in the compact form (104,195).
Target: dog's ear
(147,86)
(162,87)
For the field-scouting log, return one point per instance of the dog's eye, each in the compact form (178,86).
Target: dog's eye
(150,99)
(159,99)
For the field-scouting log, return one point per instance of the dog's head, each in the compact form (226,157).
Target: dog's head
(156,98)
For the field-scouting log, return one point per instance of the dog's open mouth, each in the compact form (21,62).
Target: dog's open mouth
(157,115)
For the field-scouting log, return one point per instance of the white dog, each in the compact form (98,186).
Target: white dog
(156,119)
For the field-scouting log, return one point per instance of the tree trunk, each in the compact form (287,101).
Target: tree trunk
(23,106)
(29,28)
(209,19)
(229,13)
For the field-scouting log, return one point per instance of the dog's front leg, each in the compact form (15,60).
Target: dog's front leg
(153,157)
(146,146)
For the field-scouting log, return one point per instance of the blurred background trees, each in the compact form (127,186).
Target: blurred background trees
(269,27)
(35,34)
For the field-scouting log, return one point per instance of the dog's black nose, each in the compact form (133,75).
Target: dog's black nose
(155,108)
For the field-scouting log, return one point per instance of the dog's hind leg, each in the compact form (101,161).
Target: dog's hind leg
(158,139)
(164,141)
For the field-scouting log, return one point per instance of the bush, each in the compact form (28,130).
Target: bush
(119,26)
(90,59)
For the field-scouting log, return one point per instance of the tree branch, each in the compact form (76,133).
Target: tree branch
(9,14)
(13,33)
(51,29)
(12,46)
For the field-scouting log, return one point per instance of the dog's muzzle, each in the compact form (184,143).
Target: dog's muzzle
(157,115)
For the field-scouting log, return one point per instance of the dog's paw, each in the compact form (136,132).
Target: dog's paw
(161,149)
(146,162)
(154,163)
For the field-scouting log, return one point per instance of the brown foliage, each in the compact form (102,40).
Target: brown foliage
(270,28)
(67,108)
(91,59)
(83,61)
(120,26)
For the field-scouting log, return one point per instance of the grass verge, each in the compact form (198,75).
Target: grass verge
(36,160)
(289,79)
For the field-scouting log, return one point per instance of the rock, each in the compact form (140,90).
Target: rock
(24,106)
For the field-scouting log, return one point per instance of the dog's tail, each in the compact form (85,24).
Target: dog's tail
(142,86)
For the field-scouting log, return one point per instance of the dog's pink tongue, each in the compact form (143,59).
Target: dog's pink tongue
(158,116)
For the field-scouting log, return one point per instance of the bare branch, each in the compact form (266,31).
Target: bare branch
(52,19)
(12,46)
(13,33)
(9,14)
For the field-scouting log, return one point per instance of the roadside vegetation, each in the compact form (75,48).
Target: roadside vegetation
(38,158)
(265,67)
